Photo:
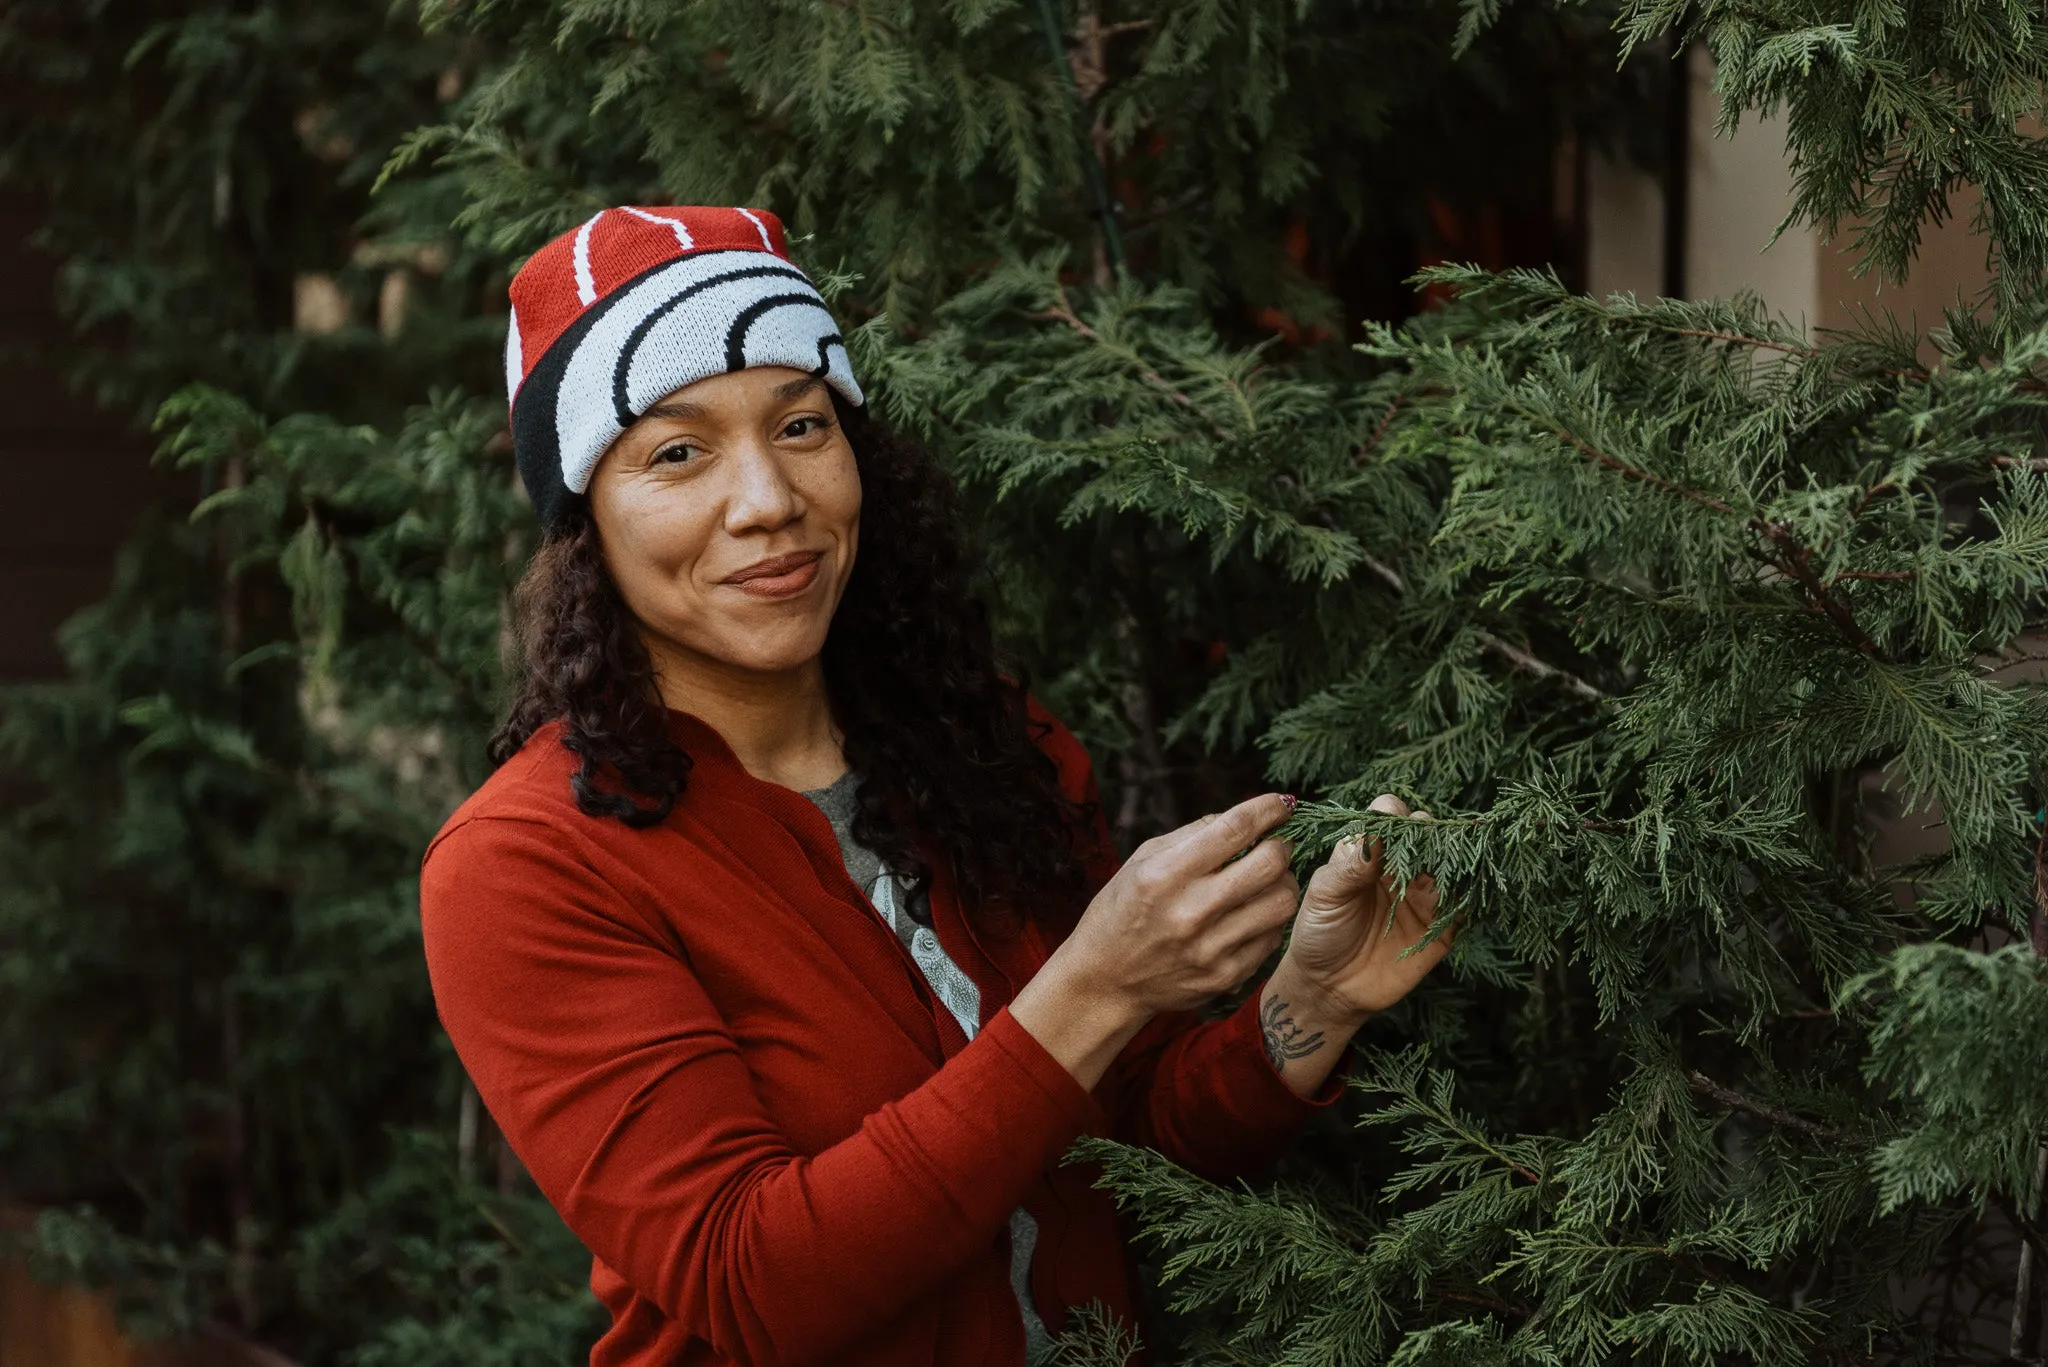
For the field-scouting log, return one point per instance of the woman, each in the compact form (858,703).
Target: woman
(786,945)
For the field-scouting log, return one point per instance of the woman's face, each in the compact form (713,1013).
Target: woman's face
(729,516)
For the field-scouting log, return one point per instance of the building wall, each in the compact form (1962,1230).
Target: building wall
(1738,191)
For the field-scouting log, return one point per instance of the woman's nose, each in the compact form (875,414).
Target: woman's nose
(761,498)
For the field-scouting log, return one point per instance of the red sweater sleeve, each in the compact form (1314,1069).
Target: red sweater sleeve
(1202,1093)
(619,1086)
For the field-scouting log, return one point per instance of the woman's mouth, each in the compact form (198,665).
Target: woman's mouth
(779,576)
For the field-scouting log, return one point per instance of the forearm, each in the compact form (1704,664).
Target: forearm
(786,1260)
(1082,1026)
(1304,1033)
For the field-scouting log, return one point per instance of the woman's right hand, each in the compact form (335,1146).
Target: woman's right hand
(1179,924)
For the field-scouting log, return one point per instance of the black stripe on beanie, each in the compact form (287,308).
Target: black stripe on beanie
(736,338)
(536,439)
(631,348)
(825,343)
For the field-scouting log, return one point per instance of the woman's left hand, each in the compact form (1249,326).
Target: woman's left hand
(1342,948)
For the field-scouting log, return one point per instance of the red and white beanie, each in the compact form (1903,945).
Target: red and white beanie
(635,304)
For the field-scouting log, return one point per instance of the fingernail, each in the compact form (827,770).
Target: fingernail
(1291,800)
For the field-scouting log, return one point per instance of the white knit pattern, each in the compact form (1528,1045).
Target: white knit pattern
(759,227)
(513,359)
(579,257)
(674,225)
(727,306)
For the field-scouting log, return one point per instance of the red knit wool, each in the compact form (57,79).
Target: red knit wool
(577,269)
(637,303)
(729,1076)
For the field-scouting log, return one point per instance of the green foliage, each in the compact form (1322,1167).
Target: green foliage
(1957,1034)
(1702,607)
(219,1069)
(1899,116)
(1672,615)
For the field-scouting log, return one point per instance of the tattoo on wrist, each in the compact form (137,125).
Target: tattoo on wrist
(1284,1039)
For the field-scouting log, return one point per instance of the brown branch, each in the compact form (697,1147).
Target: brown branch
(1386,421)
(1870,495)
(1797,561)
(1388,573)
(1709,335)
(1794,559)
(1632,472)
(1790,349)
(1877,574)
(1542,669)
(1063,312)
(1514,654)
(1784,1120)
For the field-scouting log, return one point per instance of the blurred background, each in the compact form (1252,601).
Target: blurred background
(261,513)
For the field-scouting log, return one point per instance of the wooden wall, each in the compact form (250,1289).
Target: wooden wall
(72,479)
(42,1325)
(48,1325)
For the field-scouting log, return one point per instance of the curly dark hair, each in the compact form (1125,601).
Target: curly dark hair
(934,724)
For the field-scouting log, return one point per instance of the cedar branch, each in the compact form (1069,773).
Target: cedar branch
(1784,1120)
(1739,339)
(1797,561)
(1794,558)
(1386,421)
(1063,312)
(1513,654)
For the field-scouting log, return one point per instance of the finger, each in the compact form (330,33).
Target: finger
(1204,845)
(1421,815)
(1352,867)
(1167,840)
(1255,929)
(1266,865)
(1419,898)
(1260,917)
(1248,958)
(1388,803)
(1415,932)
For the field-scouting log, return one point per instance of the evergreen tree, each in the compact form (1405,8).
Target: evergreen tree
(1696,605)
(220,1076)
(1662,607)
(1659,606)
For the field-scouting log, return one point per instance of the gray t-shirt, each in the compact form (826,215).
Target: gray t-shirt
(962,999)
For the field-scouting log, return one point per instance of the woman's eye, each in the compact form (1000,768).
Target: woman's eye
(804,427)
(682,453)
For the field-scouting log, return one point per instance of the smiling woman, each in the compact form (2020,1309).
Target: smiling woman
(735,517)
(786,944)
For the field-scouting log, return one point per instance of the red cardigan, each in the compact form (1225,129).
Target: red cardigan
(729,1077)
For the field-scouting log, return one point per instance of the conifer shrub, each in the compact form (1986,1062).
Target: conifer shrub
(1667,610)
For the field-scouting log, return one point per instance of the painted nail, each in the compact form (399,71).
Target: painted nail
(1291,800)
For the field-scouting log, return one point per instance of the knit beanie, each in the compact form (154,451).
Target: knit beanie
(635,304)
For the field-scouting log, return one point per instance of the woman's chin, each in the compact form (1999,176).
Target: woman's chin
(768,653)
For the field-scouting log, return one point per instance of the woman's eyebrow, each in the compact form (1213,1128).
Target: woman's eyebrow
(797,388)
(680,409)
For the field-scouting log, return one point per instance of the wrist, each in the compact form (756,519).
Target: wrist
(1306,995)
(1080,1020)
